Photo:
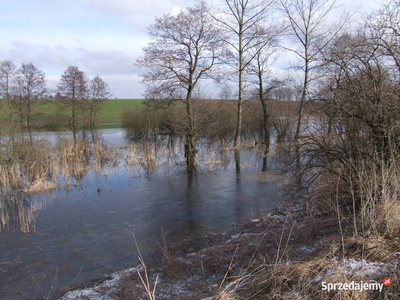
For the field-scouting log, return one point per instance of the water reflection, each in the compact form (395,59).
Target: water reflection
(111,187)
(21,209)
(65,159)
(31,167)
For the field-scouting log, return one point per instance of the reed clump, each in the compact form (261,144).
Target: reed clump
(103,154)
(30,167)
(42,165)
(24,164)
(74,157)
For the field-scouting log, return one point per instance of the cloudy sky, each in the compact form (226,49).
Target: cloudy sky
(102,37)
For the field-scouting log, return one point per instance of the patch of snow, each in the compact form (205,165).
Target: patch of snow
(235,236)
(318,279)
(307,249)
(238,235)
(87,294)
(396,254)
(358,267)
(101,291)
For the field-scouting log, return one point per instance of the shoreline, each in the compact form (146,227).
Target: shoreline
(279,256)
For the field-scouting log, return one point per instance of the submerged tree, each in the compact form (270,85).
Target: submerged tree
(30,87)
(7,77)
(264,50)
(73,87)
(185,49)
(241,18)
(99,92)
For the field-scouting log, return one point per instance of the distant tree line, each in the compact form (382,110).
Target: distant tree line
(24,93)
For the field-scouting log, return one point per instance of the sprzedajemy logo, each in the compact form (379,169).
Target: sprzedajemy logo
(356,286)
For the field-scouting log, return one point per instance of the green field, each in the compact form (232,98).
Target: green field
(113,108)
(111,112)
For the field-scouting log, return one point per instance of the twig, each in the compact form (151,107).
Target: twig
(52,285)
(145,278)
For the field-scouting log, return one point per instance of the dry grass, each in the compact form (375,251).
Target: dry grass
(74,158)
(302,279)
(27,168)
(39,167)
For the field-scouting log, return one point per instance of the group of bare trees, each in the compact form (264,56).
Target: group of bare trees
(184,49)
(82,96)
(22,89)
(235,42)
(347,72)
(353,160)
(24,93)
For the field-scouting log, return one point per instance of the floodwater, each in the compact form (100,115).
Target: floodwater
(82,232)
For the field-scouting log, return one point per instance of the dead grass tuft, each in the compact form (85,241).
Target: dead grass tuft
(225,296)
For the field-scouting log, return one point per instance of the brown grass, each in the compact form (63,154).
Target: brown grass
(27,168)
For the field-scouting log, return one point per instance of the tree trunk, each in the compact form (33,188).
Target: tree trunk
(237,142)
(190,146)
(190,153)
(264,104)
(303,98)
(10,107)
(237,162)
(267,134)
(28,127)
(73,114)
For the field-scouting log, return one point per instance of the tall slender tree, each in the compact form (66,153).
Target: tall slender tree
(7,81)
(310,32)
(185,48)
(239,18)
(73,87)
(99,92)
(29,90)
(264,52)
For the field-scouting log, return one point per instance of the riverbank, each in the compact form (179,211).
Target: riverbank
(289,253)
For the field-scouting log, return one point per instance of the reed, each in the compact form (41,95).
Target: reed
(43,165)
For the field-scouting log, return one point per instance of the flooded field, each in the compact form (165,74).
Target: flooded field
(81,231)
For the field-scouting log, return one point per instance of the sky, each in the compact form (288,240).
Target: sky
(101,37)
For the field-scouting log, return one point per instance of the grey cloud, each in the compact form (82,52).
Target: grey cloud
(140,13)
(107,62)
(60,57)
(42,56)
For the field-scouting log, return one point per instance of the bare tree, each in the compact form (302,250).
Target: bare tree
(382,26)
(239,19)
(185,49)
(308,28)
(265,46)
(29,89)
(99,92)
(73,88)
(7,76)
(283,112)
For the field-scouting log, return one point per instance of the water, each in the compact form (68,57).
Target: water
(84,231)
